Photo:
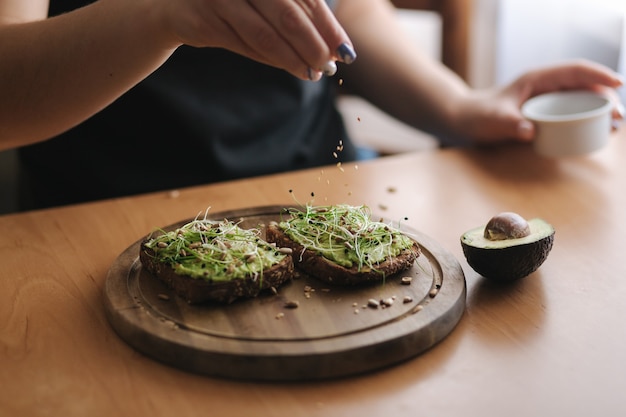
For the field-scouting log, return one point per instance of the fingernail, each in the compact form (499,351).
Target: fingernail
(346,53)
(525,130)
(620,110)
(313,75)
(330,68)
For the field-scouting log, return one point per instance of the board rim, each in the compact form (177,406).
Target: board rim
(431,321)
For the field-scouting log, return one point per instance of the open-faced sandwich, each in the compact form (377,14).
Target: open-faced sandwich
(342,245)
(215,260)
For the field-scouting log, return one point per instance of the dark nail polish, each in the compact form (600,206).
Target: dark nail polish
(346,53)
(313,75)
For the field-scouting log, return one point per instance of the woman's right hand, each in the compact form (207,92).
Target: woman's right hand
(299,36)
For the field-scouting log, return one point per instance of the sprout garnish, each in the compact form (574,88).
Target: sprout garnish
(345,234)
(215,250)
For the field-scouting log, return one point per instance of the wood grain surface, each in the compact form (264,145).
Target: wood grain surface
(551,344)
(332,333)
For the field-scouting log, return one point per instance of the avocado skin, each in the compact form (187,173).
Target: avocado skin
(508,263)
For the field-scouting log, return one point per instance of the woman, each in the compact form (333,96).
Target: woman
(115,97)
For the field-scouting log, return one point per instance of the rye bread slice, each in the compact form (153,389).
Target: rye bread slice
(323,269)
(200,290)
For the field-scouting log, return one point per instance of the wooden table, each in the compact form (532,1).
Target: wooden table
(552,344)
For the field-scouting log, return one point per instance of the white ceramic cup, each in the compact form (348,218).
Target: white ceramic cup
(569,122)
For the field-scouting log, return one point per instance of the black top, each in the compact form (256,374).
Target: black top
(206,115)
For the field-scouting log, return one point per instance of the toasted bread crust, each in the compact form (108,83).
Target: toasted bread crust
(195,290)
(326,270)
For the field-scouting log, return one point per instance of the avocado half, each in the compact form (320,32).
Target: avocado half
(508,259)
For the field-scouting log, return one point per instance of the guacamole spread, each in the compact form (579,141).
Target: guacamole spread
(345,235)
(214,250)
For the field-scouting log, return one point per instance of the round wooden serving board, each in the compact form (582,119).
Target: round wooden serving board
(331,333)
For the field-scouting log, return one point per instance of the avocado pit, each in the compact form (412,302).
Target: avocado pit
(508,247)
(507,225)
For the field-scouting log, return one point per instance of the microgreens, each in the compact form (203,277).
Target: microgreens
(214,250)
(345,234)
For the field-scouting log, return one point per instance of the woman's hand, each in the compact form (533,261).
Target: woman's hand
(495,115)
(300,36)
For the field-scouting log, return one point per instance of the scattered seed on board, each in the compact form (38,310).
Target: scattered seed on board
(292,304)
(433,292)
(373,303)
(407,299)
(387,302)
(164,297)
(406,280)
(280,316)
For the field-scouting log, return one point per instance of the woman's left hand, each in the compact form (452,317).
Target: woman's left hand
(495,115)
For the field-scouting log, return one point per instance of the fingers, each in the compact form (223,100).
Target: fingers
(302,36)
(568,76)
(576,75)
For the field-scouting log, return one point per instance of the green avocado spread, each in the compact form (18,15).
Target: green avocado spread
(214,250)
(345,234)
